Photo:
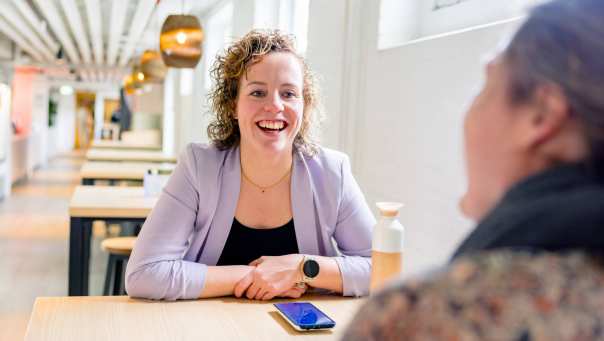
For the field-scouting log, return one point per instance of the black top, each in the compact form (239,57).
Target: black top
(245,244)
(557,210)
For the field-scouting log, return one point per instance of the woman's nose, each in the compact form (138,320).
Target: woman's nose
(274,104)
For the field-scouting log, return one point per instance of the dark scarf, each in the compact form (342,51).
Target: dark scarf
(561,209)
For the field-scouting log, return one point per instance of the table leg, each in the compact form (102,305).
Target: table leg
(79,256)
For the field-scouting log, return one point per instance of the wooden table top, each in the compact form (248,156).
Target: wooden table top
(117,144)
(122,318)
(95,154)
(110,202)
(120,170)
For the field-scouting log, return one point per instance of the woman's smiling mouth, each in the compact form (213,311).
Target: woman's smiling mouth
(272,125)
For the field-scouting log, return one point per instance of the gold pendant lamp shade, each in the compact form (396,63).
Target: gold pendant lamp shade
(153,66)
(129,84)
(134,80)
(180,41)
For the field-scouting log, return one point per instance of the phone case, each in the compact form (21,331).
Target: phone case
(298,327)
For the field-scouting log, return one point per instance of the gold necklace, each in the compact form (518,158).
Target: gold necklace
(264,188)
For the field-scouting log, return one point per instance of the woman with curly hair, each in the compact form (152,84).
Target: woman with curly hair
(255,212)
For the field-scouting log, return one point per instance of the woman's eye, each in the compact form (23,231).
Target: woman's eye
(290,94)
(257,93)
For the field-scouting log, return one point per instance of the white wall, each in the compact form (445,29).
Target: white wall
(39,121)
(5,140)
(65,123)
(325,53)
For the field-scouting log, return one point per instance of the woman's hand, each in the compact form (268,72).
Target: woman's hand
(273,276)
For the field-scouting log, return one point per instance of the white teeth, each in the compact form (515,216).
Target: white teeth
(274,125)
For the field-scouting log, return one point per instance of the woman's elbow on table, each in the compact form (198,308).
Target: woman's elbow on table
(166,280)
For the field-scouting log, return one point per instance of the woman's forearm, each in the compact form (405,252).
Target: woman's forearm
(329,276)
(221,280)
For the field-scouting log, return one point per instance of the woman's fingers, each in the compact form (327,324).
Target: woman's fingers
(261,293)
(243,284)
(252,290)
(268,296)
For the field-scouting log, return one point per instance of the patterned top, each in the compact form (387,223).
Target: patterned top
(495,296)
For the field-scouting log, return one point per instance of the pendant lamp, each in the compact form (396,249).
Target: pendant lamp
(134,80)
(129,84)
(180,41)
(153,66)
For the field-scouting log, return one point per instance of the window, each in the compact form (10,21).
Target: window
(290,16)
(404,21)
(217,38)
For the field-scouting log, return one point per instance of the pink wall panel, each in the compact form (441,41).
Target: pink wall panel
(22,102)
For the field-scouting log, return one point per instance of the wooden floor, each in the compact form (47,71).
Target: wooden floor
(34,231)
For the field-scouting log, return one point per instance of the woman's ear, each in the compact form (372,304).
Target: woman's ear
(548,114)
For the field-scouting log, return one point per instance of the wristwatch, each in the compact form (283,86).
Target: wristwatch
(310,269)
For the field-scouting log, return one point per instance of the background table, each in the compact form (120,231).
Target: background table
(94,154)
(121,318)
(118,171)
(107,203)
(113,144)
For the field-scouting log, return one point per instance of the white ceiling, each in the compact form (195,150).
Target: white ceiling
(98,38)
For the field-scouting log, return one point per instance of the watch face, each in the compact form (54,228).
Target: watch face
(311,268)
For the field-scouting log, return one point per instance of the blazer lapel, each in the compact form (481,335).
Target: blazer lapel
(230,182)
(303,207)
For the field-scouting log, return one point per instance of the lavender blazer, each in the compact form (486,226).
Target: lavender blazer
(188,227)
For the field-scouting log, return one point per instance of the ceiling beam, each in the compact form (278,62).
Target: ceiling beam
(56,23)
(144,9)
(11,15)
(77,28)
(116,27)
(22,43)
(37,24)
(93,14)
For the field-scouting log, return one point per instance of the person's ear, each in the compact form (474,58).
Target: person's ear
(547,117)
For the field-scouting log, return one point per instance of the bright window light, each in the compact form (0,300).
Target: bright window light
(66,90)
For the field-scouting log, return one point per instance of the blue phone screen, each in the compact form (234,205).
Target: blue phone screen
(305,315)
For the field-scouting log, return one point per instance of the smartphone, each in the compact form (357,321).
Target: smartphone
(304,316)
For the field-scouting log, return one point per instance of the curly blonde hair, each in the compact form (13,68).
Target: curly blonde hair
(227,71)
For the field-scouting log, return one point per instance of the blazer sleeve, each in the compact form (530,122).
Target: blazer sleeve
(156,268)
(353,236)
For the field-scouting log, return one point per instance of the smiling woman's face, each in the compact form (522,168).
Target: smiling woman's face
(270,104)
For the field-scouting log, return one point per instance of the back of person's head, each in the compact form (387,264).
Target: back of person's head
(562,42)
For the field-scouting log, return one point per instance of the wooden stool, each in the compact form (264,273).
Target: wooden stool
(119,250)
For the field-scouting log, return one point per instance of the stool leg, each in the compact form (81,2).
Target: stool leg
(123,281)
(137,229)
(108,275)
(117,280)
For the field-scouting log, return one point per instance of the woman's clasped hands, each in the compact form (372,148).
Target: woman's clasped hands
(272,276)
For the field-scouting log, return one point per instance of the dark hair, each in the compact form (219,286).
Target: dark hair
(562,42)
(228,69)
